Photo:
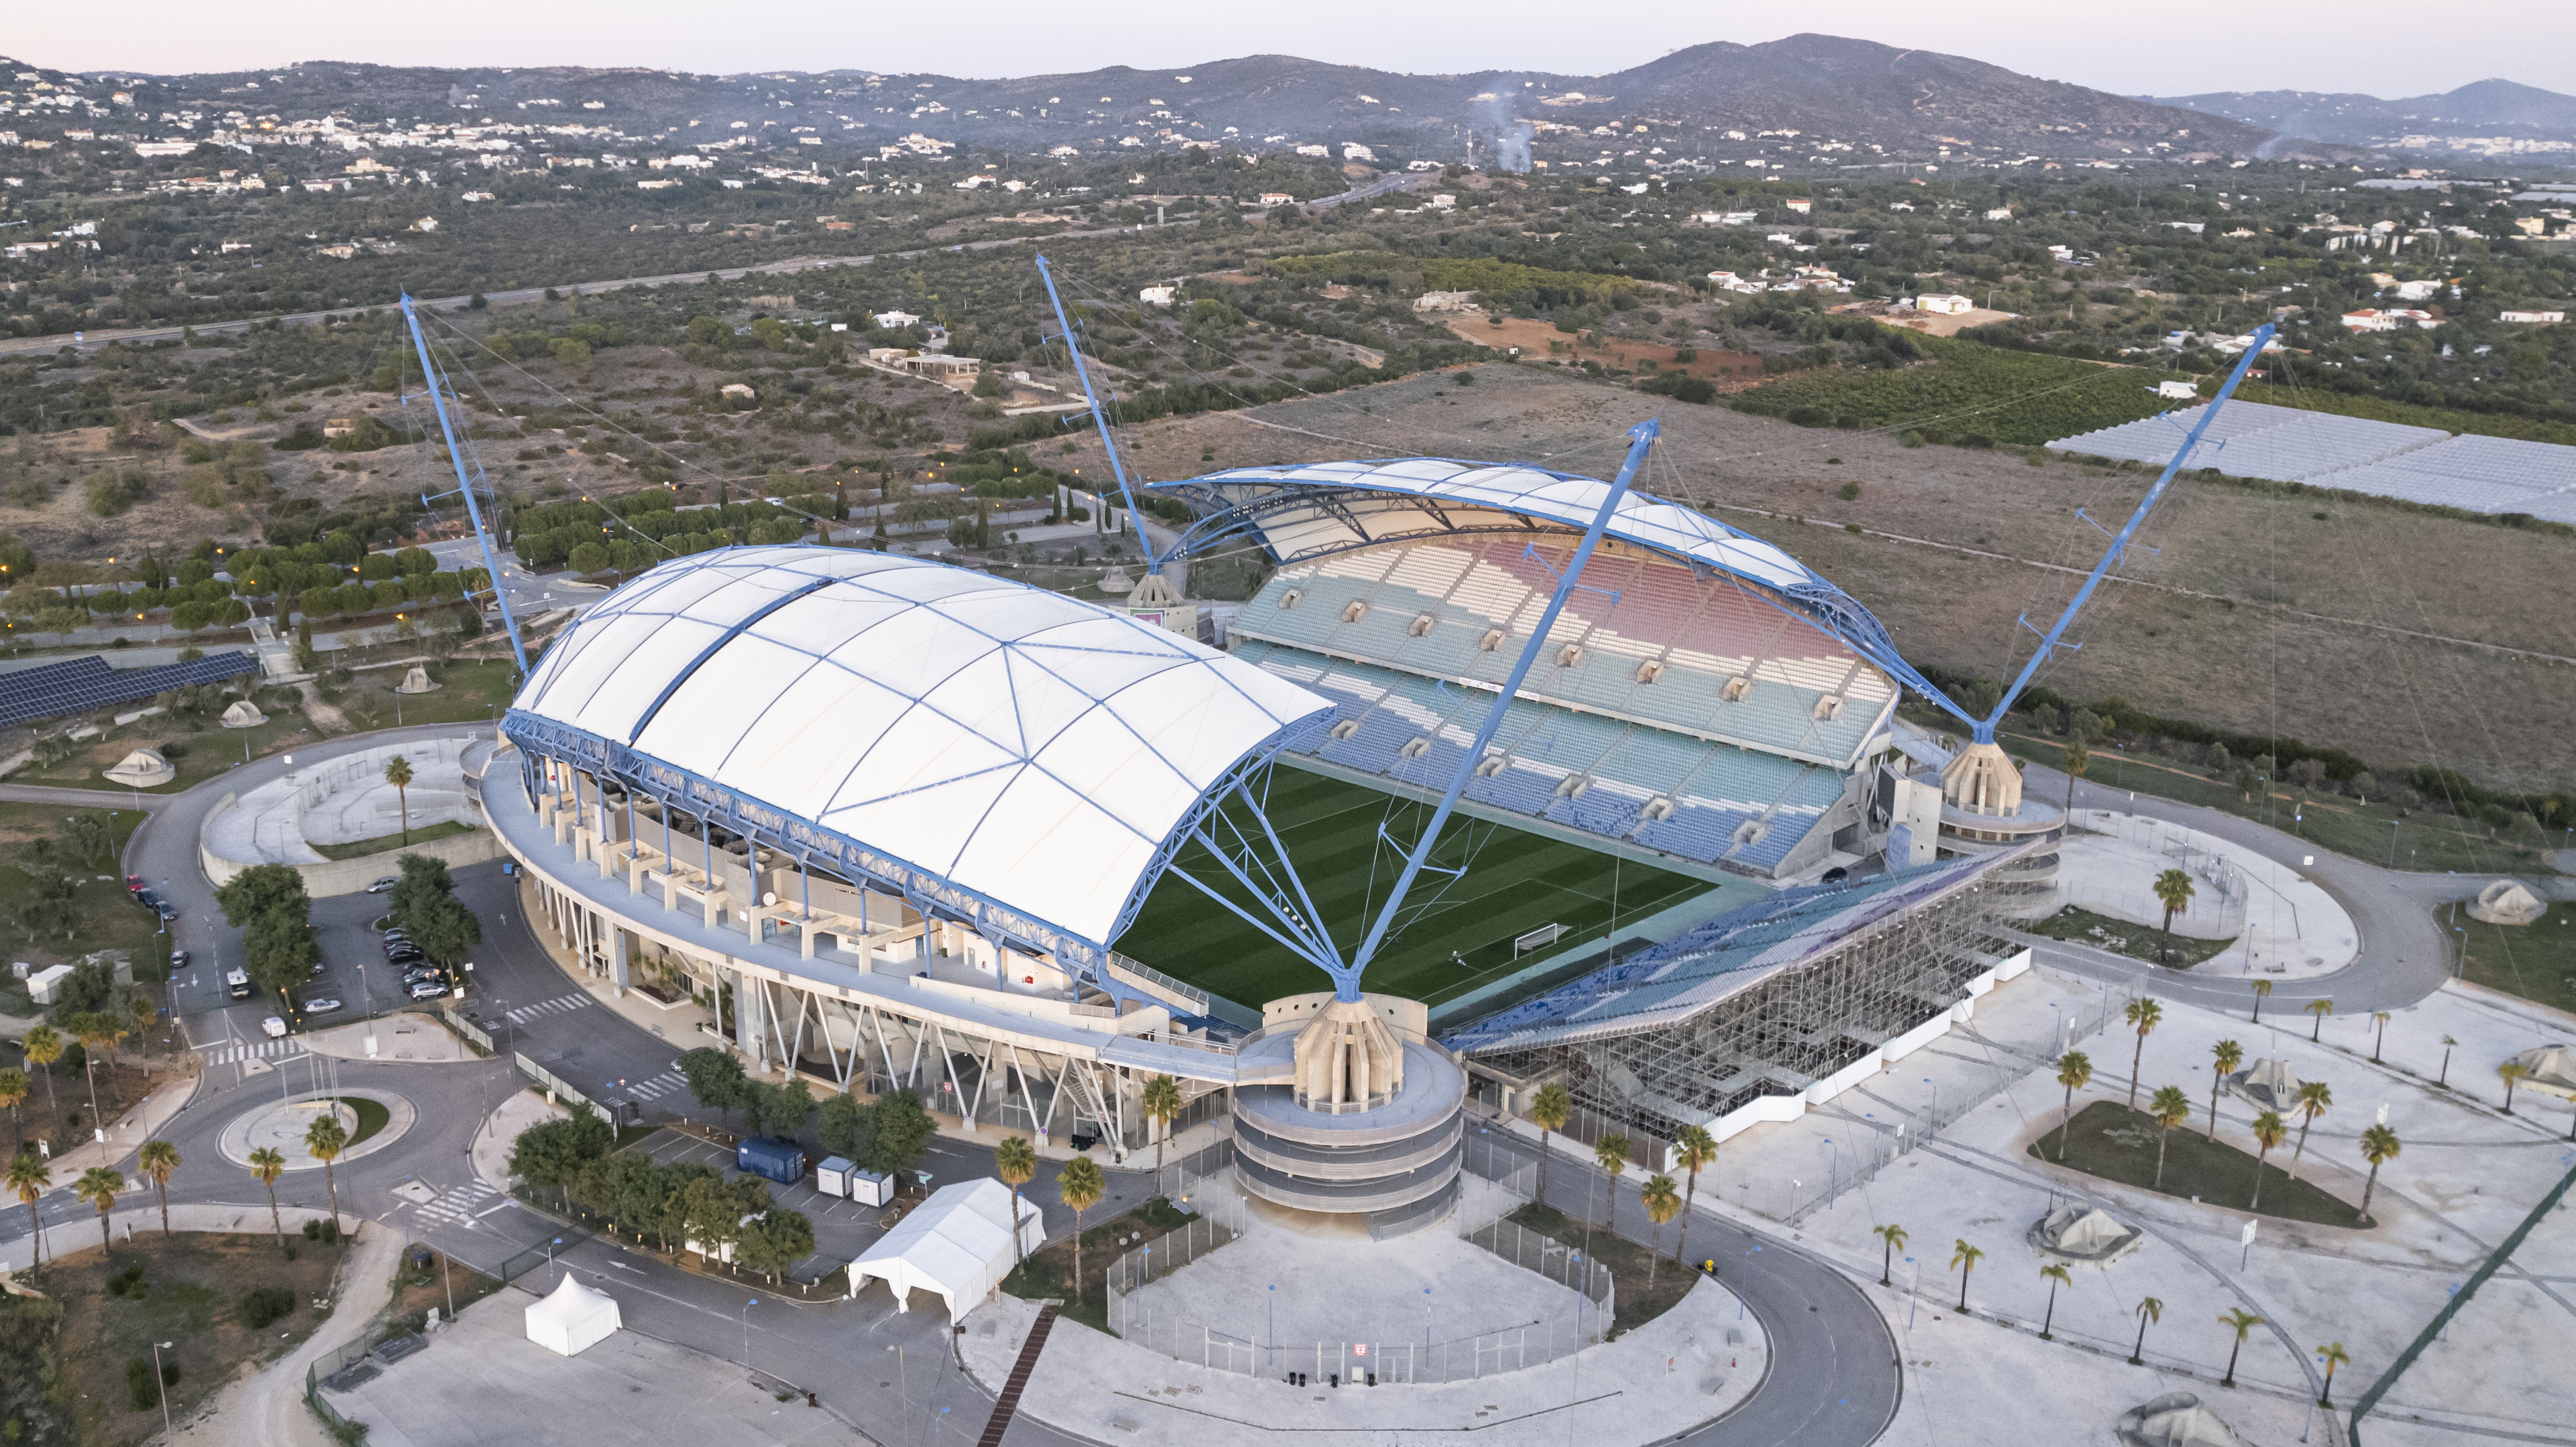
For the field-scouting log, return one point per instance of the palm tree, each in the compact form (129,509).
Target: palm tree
(2224,1057)
(1662,1204)
(44,1046)
(158,1160)
(1894,1237)
(2143,1016)
(1611,1154)
(2173,889)
(1015,1161)
(99,1186)
(1965,1257)
(14,1086)
(2079,760)
(2512,1071)
(2243,1321)
(2315,1099)
(1080,1186)
(2056,1276)
(95,1029)
(2268,1131)
(2320,1007)
(2149,1310)
(1548,1110)
(2381,1019)
(268,1165)
(1162,1103)
(398,774)
(29,1178)
(324,1140)
(1694,1149)
(2335,1356)
(2379,1146)
(2074,1071)
(2262,991)
(2169,1108)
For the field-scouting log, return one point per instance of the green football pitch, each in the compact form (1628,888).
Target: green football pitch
(1456,934)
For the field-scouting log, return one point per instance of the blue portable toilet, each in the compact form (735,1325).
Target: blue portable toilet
(771,1159)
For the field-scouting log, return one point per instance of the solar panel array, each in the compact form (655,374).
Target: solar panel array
(2355,454)
(86,683)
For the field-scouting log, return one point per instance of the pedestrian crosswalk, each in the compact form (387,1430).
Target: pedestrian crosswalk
(657,1087)
(459,1205)
(229,1052)
(560,1004)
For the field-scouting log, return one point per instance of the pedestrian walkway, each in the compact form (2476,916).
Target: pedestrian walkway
(461,1206)
(233,1052)
(659,1086)
(560,1004)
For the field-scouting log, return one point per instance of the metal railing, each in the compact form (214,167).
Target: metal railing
(472,1033)
(1541,1254)
(554,1084)
(1154,981)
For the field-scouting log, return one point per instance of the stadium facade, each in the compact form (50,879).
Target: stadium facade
(890,816)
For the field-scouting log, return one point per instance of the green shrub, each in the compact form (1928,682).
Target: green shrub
(263,1304)
(129,1283)
(143,1386)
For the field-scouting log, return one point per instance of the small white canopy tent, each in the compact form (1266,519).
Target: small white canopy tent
(957,1244)
(574,1319)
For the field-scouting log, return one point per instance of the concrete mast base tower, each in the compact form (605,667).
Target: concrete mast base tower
(1348,1107)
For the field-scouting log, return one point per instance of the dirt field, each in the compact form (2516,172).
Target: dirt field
(1938,324)
(190,1294)
(1540,340)
(2316,626)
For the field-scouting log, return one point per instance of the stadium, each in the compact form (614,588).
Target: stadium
(911,825)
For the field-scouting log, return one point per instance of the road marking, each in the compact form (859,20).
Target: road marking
(227,1052)
(559,1005)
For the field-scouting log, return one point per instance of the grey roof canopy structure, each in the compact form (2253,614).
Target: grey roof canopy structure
(1013,755)
(2356,454)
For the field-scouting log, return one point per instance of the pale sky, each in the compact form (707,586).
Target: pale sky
(2177,48)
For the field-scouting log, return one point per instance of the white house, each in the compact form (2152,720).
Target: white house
(895,319)
(1157,295)
(2180,391)
(1946,304)
(1999,213)
(1729,281)
(1354,152)
(2371,319)
(2417,290)
(1276,198)
(2529,318)
(1802,206)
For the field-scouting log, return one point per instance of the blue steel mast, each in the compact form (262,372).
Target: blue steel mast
(464,486)
(1346,980)
(1985,728)
(1108,444)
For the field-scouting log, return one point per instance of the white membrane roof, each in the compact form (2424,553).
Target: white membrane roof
(1025,745)
(1518,491)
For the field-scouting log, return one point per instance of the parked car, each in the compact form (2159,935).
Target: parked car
(134,884)
(320,1007)
(427,990)
(147,899)
(384,884)
(166,910)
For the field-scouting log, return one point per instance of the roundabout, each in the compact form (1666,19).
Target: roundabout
(372,1119)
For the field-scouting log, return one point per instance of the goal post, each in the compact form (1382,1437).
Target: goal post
(1537,939)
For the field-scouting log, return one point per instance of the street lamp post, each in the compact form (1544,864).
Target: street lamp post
(161,1388)
(746,1332)
(1744,1281)
(550,1259)
(1834,1174)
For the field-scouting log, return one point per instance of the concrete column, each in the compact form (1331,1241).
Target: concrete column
(617,971)
(747,1015)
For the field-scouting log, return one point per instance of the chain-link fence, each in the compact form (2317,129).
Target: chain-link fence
(1533,1251)
(1170,1252)
(2220,892)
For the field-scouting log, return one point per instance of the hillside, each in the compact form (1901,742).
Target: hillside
(2487,110)
(1818,98)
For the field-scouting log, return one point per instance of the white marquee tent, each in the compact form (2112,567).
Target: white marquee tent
(956,1244)
(573,1319)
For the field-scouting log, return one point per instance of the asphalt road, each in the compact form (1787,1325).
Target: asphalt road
(530,295)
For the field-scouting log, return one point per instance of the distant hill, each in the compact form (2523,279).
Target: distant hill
(2490,111)
(1820,97)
